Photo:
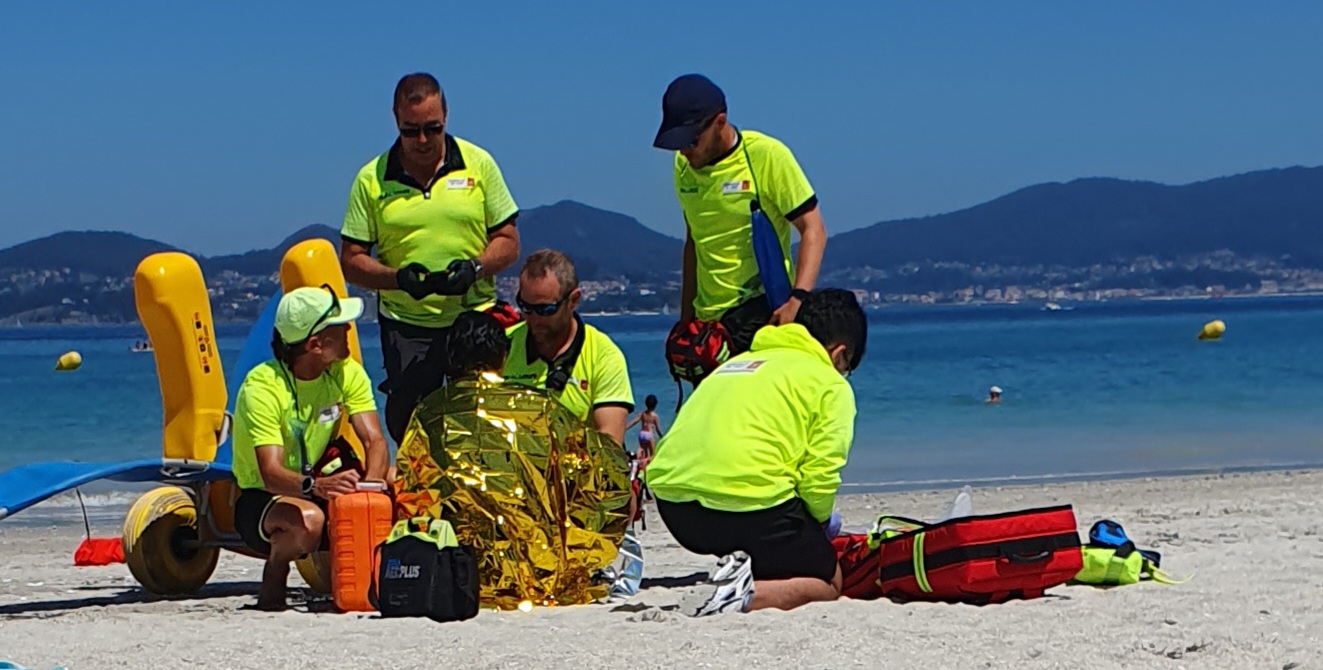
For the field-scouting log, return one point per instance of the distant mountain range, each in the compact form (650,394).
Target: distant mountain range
(101,253)
(1272,213)
(604,245)
(1087,234)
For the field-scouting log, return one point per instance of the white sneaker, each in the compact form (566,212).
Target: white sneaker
(730,586)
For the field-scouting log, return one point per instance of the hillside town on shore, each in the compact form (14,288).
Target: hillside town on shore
(66,296)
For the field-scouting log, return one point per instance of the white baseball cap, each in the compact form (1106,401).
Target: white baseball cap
(995,389)
(306,311)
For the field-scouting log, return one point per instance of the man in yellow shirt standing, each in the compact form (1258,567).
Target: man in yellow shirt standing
(554,349)
(437,212)
(285,418)
(752,465)
(721,173)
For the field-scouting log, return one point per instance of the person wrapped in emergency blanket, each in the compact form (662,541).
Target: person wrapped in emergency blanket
(541,497)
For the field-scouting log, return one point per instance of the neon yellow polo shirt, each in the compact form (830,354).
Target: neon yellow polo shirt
(715,200)
(768,425)
(599,376)
(451,221)
(264,413)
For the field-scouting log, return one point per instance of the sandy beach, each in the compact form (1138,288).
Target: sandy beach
(1254,543)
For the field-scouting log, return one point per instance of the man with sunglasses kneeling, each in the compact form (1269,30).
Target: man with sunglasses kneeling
(554,349)
(436,211)
(286,417)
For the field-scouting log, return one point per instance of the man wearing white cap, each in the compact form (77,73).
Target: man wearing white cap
(286,419)
(994,395)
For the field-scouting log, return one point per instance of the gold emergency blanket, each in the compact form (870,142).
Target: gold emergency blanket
(541,497)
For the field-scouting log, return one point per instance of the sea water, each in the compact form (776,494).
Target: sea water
(1101,390)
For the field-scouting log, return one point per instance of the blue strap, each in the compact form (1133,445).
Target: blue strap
(767,246)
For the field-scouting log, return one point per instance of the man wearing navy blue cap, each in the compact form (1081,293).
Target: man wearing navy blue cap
(719,172)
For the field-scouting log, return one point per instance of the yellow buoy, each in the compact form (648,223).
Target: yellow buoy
(70,360)
(1213,330)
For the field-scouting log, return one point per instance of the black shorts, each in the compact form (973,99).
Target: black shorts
(743,320)
(784,541)
(250,513)
(415,362)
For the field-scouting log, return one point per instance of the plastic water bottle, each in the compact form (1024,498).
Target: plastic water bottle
(628,577)
(963,505)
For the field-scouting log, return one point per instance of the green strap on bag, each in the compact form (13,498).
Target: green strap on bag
(427,529)
(920,570)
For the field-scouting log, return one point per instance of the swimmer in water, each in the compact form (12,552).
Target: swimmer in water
(994,396)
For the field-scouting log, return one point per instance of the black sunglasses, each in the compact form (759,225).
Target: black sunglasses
(540,309)
(333,310)
(432,129)
(702,128)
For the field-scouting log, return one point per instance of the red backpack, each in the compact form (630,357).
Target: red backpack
(977,559)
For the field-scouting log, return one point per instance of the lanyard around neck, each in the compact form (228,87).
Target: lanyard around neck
(288,375)
(752,173)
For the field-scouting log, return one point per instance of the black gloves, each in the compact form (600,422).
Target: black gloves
(419,282)
(458,278)
(413,279)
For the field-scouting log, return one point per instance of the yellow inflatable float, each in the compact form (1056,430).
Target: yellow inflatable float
(70,360)
(1213,330)
(167,546)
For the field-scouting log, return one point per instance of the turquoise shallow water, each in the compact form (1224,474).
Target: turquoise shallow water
(1104,389)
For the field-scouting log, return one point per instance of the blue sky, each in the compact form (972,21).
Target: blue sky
(226,127)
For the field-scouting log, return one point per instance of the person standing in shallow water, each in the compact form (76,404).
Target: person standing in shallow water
(650,431)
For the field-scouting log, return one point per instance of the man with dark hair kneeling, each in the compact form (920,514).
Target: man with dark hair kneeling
(751,467)
(285,418)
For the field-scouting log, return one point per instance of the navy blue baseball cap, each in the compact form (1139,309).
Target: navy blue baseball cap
(690,101)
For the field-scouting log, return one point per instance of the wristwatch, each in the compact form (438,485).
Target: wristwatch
(477,268)
(306,485)
(799,294)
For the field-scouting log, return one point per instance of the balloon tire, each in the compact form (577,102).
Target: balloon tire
(315,569)
(154,529)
